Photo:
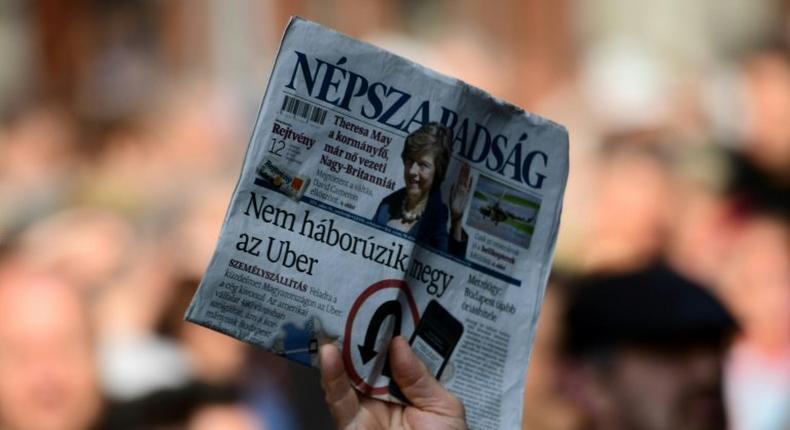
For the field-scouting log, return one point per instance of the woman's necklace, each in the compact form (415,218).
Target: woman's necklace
(414,215)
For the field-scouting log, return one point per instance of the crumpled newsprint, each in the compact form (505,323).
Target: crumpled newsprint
(379,198)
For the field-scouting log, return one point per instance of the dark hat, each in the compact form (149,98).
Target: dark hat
(654,307)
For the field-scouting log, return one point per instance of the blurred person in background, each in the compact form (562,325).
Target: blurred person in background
(545,407)
(753,276)
(701,230)
(38,155)
(48,377)
(84,246)
(761,157)
(755,282)
(630,217)
(644,350)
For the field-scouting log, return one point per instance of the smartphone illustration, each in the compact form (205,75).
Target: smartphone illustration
(433,340)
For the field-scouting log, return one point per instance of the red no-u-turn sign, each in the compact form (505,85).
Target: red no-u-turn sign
(385,309)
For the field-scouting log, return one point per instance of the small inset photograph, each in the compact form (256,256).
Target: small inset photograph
(269,172)
(503,212)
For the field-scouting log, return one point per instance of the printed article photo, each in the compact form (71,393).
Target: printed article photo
(418,209)
(503,212)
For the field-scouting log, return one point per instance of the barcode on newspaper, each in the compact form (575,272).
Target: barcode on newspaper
(304,110)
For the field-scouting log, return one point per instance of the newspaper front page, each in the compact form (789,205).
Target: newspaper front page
(378,198)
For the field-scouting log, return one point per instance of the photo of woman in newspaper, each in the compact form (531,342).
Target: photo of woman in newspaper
(418,209)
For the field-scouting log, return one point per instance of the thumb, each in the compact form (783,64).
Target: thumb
(419,387)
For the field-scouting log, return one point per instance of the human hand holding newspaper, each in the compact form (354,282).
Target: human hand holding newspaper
(431,406)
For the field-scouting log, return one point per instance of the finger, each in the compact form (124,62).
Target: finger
(340,395)
(417,384)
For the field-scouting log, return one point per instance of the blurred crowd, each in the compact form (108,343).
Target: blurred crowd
(123,125)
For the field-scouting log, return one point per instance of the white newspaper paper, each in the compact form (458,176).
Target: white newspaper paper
(377,198)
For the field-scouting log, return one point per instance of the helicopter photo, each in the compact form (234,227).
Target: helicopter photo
(496,213)
(503,212)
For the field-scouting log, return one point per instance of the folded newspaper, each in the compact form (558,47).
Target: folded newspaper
(378,198)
